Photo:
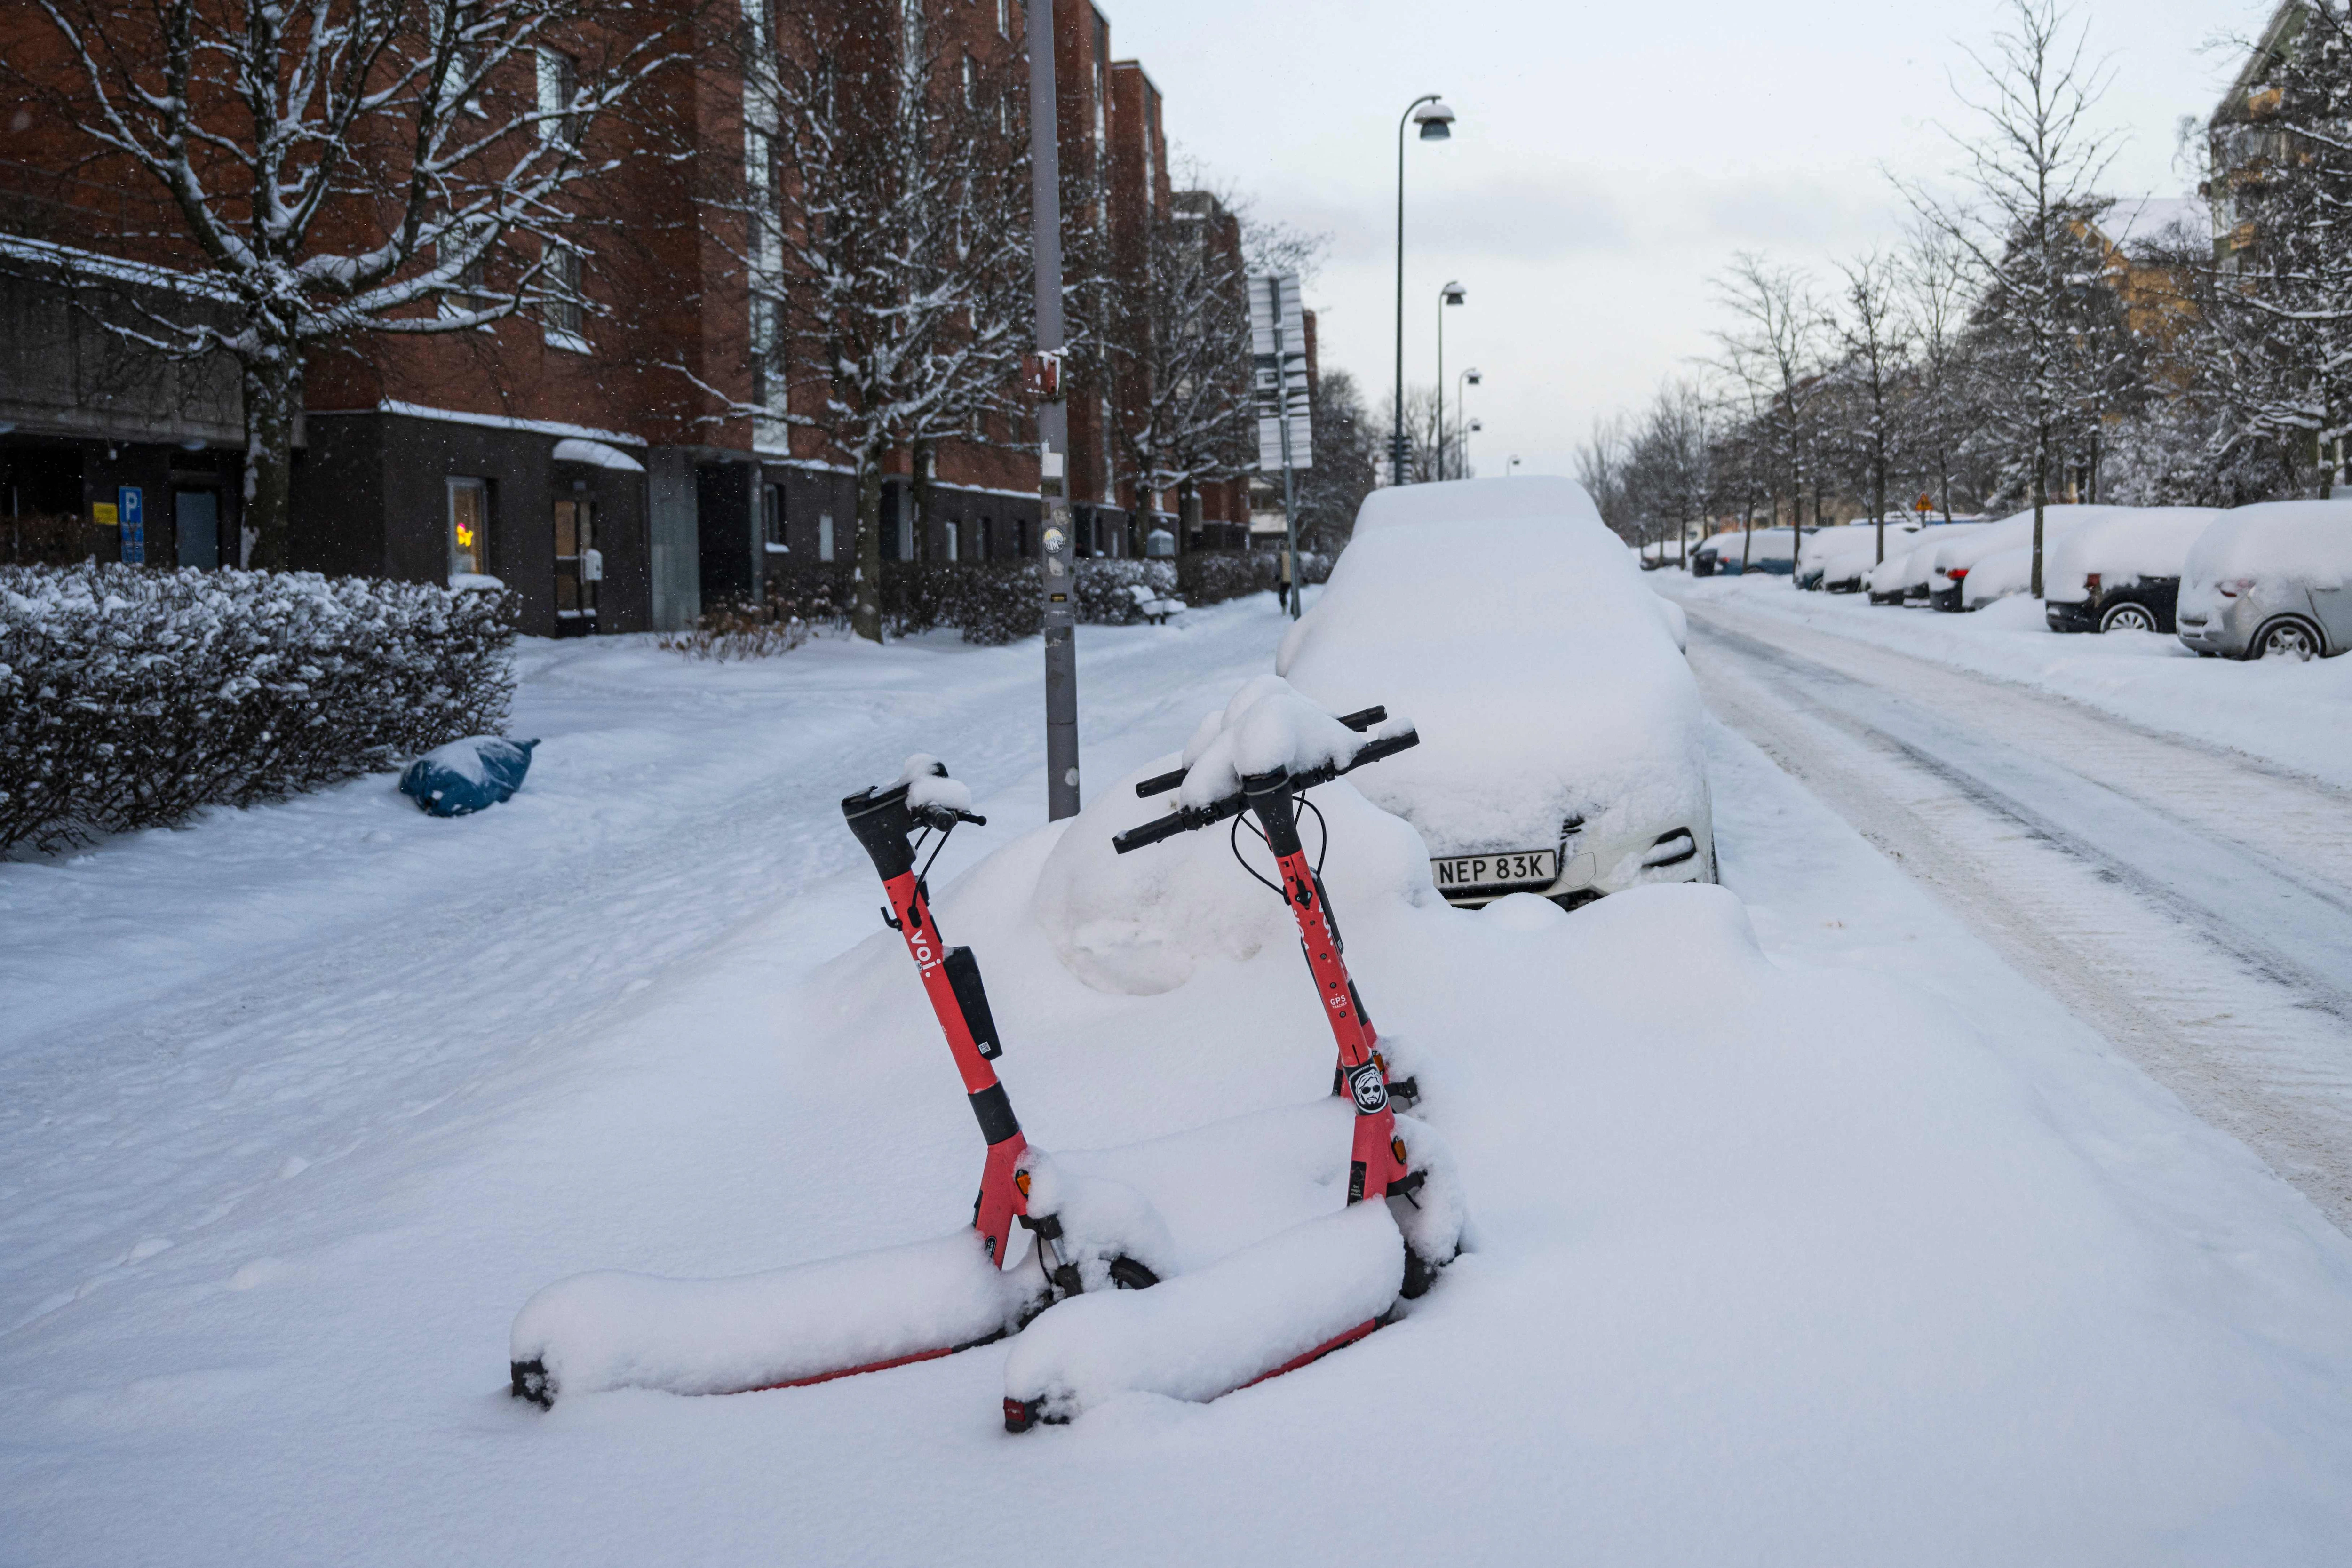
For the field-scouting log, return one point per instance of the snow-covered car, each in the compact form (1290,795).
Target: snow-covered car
(1561,745)
(1766,550)
(2121,573)
(1836,560)
(2273,581)
(1904,574)
(1955,560)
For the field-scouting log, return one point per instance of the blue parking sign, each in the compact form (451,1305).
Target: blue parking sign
(132,510)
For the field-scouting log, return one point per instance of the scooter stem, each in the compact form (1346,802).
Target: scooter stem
(951,977)
(1375,1159)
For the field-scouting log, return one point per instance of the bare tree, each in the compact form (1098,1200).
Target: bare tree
(1877,350)
(1933,273)
(334,170)
(1773,353)
(1347,462)
(1667,474)
(902,282)
(2033,166)
(1182,370)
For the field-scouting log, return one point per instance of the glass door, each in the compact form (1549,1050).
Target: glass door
(578,567)
(470,528)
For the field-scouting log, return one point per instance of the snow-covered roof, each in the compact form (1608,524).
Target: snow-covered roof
(596,454)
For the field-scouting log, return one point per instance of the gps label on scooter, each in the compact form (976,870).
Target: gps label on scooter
(1372,1094)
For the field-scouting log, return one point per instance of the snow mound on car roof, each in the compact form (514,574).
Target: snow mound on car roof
(1515,628)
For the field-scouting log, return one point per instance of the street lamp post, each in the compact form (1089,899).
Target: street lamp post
(1462,453)
(1437,122)
(1450,295)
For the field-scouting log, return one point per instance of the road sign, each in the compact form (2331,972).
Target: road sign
(1926,503)
(1278,352)
(130,506)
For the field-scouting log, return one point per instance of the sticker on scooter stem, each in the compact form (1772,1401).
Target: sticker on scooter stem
(1371,1093)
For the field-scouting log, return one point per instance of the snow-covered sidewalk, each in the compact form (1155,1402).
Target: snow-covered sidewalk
(1806,1232)
(2298,716)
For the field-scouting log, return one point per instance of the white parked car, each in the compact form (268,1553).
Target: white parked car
(1948,585)
(1561,744)
(2122,575)
(2273,581)
(1837,559)
(1904,575)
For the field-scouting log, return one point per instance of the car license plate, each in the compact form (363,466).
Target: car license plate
(1513,868)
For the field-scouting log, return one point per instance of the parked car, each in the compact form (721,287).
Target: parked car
(1560,751)
(2121,574)
(1770,551)
(2270,582)
(1949,576)
(1905,576)
(1836,560)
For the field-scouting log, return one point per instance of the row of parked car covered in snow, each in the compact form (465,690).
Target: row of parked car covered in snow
(2252,581)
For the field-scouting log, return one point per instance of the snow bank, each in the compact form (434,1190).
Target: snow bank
(1211,1331)
(616,1330)
(2137,543)
(1516,630)
(1142,923)
(2303,542)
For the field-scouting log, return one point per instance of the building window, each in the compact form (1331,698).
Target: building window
(954,532)
(469,528)
(772,517)
(1003,19)
(465,292)
(825,536)
(971,81)
(579,566)
(988,539)
(559,307)
(559,85)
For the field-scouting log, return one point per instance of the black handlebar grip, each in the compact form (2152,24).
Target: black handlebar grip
(1168,827)
(1364,719)
(1388,747)
(1160,784)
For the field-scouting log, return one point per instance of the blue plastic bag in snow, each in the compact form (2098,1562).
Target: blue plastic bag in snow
(467,775)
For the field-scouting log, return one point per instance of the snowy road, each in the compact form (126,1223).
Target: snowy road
(2192,904)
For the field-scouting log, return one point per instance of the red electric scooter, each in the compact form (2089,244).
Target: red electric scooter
(872,1310)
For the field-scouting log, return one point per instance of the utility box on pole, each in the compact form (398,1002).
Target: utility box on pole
(1286,435)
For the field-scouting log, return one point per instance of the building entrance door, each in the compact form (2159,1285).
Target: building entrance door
(579,568)
(195,528)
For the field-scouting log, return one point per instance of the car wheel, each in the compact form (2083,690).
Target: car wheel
(2128,617)
(2286,639)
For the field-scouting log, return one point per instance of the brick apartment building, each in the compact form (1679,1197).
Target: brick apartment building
(518,449)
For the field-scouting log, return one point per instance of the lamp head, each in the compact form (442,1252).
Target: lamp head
(1476,426)
(1471,375)
(1437,120)
(1453,294)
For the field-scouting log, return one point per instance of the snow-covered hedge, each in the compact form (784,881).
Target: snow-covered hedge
(130,698)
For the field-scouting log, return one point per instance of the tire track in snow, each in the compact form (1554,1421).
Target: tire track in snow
(2205,928)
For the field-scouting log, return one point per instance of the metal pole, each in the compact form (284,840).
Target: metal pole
(1054,542)
(1282,413)
(1396,434)
(1441,384)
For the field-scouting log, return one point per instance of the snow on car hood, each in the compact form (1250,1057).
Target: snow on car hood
(2306,543)
(1507,620)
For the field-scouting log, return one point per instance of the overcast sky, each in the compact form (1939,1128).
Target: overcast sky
(1608,161)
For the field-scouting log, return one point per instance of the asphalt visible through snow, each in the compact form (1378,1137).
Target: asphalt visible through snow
(2192,904)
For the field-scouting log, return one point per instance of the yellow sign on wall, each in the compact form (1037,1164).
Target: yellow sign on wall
(103,513)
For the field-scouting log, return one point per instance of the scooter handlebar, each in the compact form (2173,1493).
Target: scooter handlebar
(1183,820)
(1361,720)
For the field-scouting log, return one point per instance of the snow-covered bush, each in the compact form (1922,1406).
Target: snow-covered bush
(130,698)
(1209,579)
(989,601)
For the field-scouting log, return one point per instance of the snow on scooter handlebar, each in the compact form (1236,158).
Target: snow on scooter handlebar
(874,1310)
(1288,1300)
